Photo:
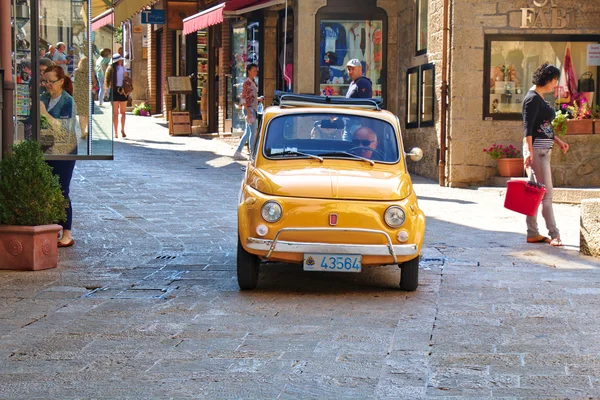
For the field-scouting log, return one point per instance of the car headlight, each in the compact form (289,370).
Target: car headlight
(394,216)
(271,211)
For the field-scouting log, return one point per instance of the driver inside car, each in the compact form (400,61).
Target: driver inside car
(364,142)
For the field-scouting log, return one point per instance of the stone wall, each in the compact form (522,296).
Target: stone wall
(139,68)
(428,139)
(580,167)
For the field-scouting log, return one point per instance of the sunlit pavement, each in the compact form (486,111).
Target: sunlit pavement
(146,305)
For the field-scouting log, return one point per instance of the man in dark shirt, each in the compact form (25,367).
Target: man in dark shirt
(361,85)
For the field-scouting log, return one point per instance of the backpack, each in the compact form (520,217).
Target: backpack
(127,86)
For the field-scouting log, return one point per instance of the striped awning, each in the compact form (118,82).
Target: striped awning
(103,19)
(100,6)
(215,15)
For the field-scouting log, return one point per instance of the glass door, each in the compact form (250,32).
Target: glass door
(202,88)
(22,69)
(238,72)
(246,50)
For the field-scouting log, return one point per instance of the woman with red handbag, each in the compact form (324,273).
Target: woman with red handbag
(537,148)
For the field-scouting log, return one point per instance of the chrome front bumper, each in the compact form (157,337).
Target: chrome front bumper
(282,246)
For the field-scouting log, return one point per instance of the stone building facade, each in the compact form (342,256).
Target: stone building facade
(475,28)
(479,33)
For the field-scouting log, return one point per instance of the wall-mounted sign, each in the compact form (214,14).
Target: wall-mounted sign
(593,54)
(545,14)
(178,11)
(153,17)
(137,29)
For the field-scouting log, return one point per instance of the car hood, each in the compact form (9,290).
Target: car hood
(378,182)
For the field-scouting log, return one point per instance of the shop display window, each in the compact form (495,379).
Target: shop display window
(420,104)
(202,84)
(59,112)
(344,40)
(246,37)
(510,62)
(422,21)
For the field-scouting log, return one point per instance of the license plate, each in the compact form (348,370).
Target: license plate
(333,262)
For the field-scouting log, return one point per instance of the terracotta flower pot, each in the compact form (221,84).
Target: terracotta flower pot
(29,248)
(580,126)
(510,166)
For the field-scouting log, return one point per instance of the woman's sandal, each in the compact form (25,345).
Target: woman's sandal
(538,239)
(123,134)
(556,242)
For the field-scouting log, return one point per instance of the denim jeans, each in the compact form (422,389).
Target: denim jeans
(100,90)
(249,133)
(543,173)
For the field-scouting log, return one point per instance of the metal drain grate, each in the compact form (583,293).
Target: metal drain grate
(163,257)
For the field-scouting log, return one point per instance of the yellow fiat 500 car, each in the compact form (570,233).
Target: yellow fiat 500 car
(327,187)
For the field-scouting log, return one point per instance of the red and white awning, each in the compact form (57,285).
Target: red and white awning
(106,18)
(215,15)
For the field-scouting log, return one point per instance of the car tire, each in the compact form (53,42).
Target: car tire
(247,268)
(409,275)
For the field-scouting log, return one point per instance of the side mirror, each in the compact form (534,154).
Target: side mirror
(416,154)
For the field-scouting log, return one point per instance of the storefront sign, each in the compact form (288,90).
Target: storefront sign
(545,14)
(593,54)
(178,11)
(153,17)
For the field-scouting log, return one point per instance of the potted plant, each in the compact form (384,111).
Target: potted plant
(142,109)
(577,119)
(509,158)
(31,202)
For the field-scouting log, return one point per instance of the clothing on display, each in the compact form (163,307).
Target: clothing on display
(342,41)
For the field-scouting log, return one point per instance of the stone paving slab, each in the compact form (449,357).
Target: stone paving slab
(146,304)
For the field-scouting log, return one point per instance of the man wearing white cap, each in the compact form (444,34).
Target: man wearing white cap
(361,85)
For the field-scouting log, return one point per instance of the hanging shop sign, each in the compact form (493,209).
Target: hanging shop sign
(178,11)
(153,17)
(545,14)
(593,54)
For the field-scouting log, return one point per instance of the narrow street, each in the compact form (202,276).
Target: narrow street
(146,305)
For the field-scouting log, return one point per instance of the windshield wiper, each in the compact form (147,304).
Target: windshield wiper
(345,153)
(295,153)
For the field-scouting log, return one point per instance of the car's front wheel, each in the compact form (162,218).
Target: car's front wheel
(247,268)
(409,275)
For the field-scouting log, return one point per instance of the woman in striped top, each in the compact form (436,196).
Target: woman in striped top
(537,147)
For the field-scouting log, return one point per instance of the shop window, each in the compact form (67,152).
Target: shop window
(245,49)
(420,104)
(357,32)
(509,63)
(74,126)
(422,13)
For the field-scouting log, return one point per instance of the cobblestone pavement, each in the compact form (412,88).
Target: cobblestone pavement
(146,304)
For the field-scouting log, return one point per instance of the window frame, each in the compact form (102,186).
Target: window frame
(420,123)
(347,10)
(489,38)
(421,48)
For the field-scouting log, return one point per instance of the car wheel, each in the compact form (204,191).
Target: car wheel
(409,276)
(247,268)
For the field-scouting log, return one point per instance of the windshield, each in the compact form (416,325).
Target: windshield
(331,136)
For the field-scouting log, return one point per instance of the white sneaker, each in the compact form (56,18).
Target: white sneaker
(238,156)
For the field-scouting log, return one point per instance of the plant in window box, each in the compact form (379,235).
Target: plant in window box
(582,119)
(31,202)
(509,159)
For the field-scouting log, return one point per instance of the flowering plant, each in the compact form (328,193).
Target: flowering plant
(581,110)
(497,151)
